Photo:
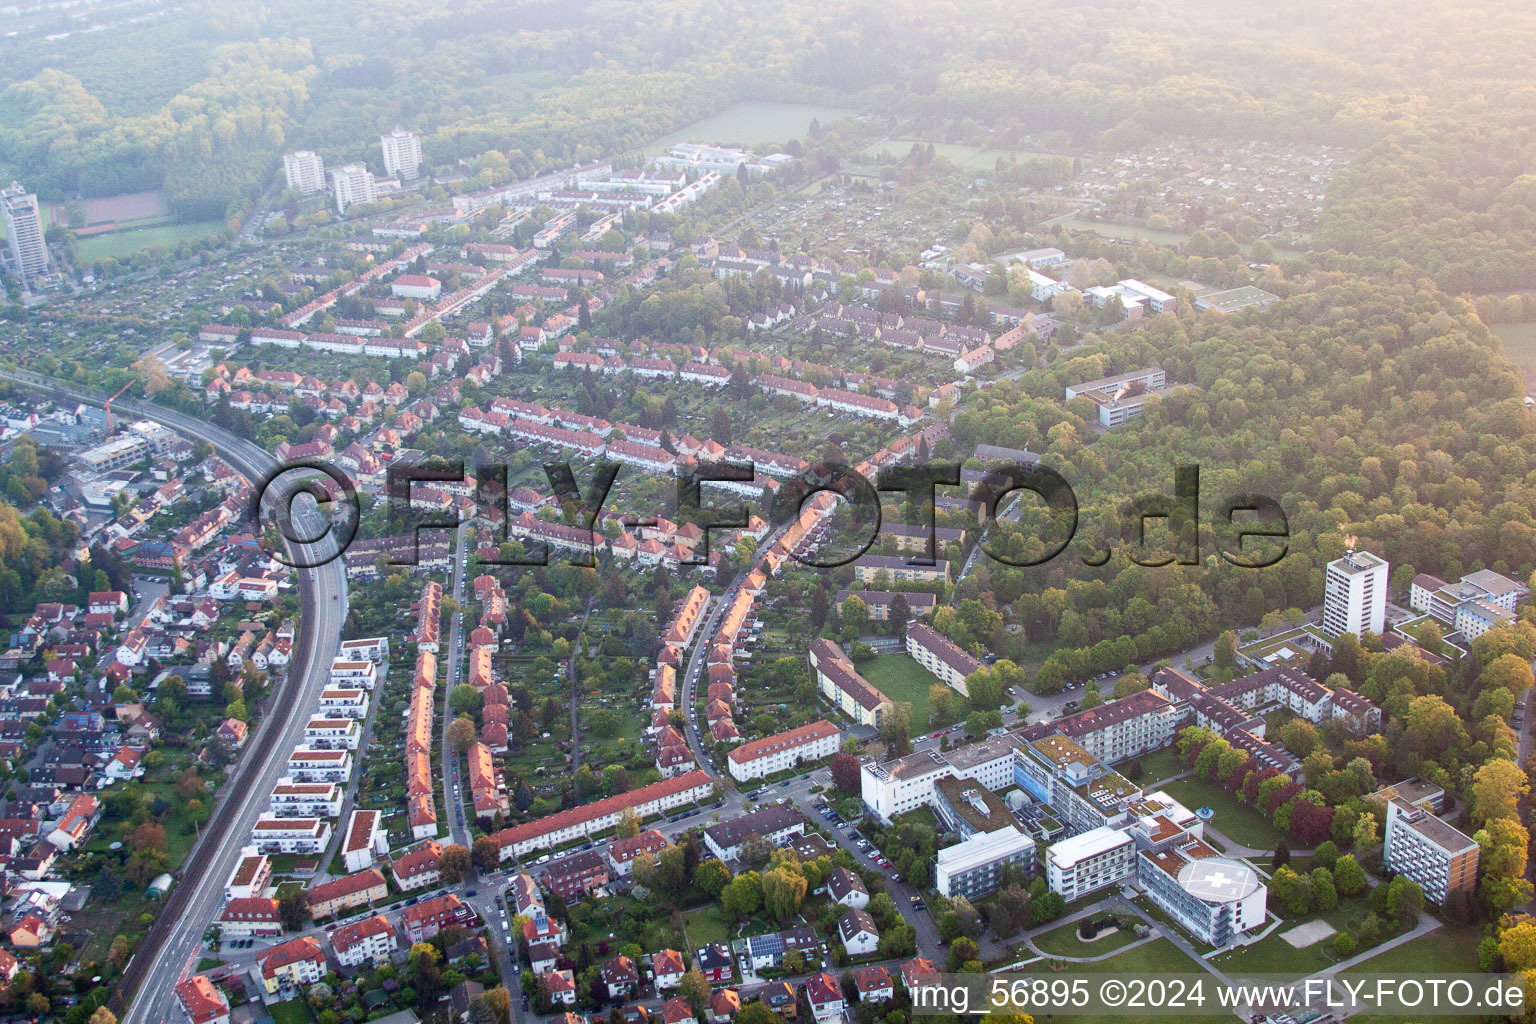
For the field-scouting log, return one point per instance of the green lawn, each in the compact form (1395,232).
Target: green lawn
(1237,820)
(902,679)
(1273,955)
(705,926)
(1158,765)
(1519,342)
(1063,941)
(753,122)
(1446,950)
(294,1011)
(126,243)
(1156,957)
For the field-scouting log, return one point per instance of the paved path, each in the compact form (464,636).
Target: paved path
(453,643)
(570,671)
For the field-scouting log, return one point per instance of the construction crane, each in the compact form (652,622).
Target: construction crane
(114,398)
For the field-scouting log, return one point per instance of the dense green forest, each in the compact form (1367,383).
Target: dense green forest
(1382,411)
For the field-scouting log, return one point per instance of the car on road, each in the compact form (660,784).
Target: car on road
(412,900)
(472,892)
(785,783)
(918,904)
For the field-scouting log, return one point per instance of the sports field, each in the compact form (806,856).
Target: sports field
(752,123)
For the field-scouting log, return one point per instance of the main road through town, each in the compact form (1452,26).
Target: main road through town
(173,944)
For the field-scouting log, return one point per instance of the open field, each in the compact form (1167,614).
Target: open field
(126,243)
(1137,234)
(753,122)
(902,679)
(128,206)
(1519,342)
(969,158)
(1236,820)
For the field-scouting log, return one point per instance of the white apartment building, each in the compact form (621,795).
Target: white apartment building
(402,154)
(293,799)
(368,941)
(366,840)
(371,649)
(932,650)
(1355,594)
(352,183)
(324,733)
(305,172)
(307,765)
(1085,863)
(24,231)
(291,835)
(1440,858)
(1124,728)
(349,674)
(589,819)
(344,702)
(1477,603)
(250,876)
(783,750)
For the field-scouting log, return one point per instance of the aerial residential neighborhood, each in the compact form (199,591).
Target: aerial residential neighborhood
(573,514)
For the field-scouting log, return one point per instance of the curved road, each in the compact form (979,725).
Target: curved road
(174,942)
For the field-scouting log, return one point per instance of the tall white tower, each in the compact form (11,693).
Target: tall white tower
(402,154)
(1355,593)
(305,171)
(351,183)
(24,231)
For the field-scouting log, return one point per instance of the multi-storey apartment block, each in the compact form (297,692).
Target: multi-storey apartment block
(1440,858)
